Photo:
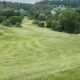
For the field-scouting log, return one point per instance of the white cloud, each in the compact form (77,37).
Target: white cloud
(25,1)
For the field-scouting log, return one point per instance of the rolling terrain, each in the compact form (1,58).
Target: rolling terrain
(34,53)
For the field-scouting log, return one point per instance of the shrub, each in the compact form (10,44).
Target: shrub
(41,24)
(49,24)
(2,18)
(35,22)
(55,25)
(69,21)
(10,17)
(7,23)
(52,24)
(15,19)
(41,17)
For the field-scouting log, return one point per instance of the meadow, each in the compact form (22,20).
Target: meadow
(34,53)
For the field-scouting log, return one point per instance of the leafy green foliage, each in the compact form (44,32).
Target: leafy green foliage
(2,18)
(69,21)
(15,19)
(41,17)
(41,23)
(10,17)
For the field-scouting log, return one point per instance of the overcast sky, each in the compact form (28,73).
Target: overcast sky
(24,1)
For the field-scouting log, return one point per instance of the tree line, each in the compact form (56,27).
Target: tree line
(63,16)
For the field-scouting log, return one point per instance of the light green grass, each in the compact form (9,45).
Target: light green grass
(34,53)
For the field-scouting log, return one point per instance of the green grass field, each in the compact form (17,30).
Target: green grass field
(34,53)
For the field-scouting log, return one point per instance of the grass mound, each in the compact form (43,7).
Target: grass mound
(34,53)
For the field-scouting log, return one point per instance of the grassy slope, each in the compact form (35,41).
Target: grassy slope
(33,53)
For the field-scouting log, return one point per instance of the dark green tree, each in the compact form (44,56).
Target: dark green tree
(69,21)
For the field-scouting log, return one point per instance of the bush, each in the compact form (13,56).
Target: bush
(15,19)
(49,24)
(2,18)
(41,17)
(69,21)
(10,17)
(7,23)
(41,24)
(35,22)
(52,24)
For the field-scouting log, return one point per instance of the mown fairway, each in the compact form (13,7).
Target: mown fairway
(34,53)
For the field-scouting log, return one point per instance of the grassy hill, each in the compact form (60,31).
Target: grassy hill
(34,53)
